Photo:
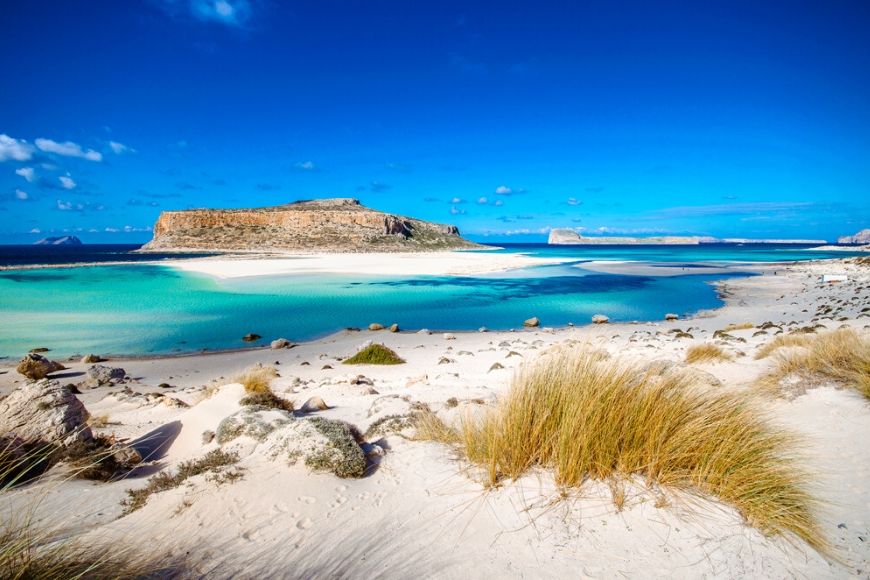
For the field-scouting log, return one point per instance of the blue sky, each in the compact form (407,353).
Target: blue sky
(747,119)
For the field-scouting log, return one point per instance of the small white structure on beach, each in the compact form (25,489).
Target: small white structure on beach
(834,278)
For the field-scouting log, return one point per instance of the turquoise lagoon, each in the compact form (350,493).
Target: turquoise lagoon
(141,309)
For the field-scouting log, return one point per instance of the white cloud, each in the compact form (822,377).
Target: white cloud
(119,148)
(230,12)
(306,166)
(503,190)
(68,149)
(12,148)
(574,201)
(67,182)
(78,206)
(65,205)
(25,172)
(456,211)
(482,200)
(35,231)
(22,195)
(498,203)
(456,200)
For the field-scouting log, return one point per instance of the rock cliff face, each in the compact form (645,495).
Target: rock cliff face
(862,237)
(330,225)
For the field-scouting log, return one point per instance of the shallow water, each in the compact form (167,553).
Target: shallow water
(148,309)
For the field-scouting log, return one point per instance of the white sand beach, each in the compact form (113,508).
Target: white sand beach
(421,510)
(412,263)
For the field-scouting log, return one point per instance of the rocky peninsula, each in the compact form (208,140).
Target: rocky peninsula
(325,225)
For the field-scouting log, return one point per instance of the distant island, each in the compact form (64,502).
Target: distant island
(325,225)
(569,237)
(59,241)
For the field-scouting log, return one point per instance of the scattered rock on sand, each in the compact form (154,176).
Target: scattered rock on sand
(532,322)
(99,375)
(35,366)
(375,326)
(314,404)
(394,328)
(251,337)
(671,316)
(600,319)
(361,380)
(370,391)
(448,336)
(90,359)
(495,366)
(279,344)
(424,331)
(45,411)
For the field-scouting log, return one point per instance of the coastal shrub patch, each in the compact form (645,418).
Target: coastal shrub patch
(343,456)
(585,418)
(375,354)
(706,352)
(268,400)
(214,461)
(841,356)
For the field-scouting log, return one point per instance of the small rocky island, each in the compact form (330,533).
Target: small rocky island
(325,225)
(59,241)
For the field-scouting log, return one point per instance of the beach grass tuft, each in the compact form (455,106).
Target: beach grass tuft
(706,352)
(375,354)
(585,418)
(841,356)
(258,379)
(738,326)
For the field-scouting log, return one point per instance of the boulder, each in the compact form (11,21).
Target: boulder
(314,404)
(671,316)
(100,375)
(532,322)
(600,319)
(45,411)
(36,367)
(89,359)
(280,343)
(394,328)
(375,326)
(449,336)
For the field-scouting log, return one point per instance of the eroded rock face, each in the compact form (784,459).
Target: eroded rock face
(45,411)
(326,225)
(36,367)
(862,237)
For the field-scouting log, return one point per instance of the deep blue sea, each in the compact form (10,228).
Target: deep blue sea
(148,309)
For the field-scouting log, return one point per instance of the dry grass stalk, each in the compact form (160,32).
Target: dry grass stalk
(258,379)
(781,341)
(587,419)
(841,356)
(739,326)
(706,352)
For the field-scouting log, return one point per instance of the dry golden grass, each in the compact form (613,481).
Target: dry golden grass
(589,419)
(258,379)
(98,421)
(706,352)
(841,356)
(29,553)
(783,340)
(429,427)
(739,326)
